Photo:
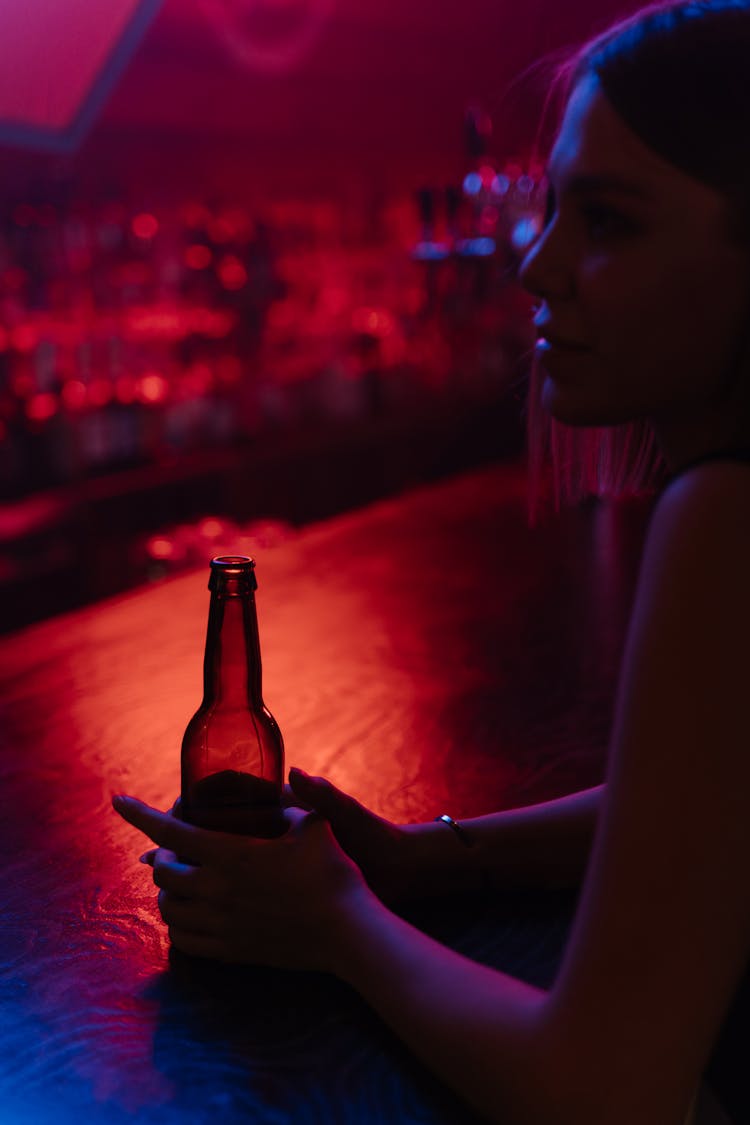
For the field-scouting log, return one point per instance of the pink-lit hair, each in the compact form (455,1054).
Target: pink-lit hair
(676,74)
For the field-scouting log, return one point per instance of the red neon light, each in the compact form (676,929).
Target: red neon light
(42,407)
(160,548)
(372,322)
(24,338)
(211,528)
(125,389)
(73,394)
(232,273)
(100,392)
(198,257)
(145,226)
(152,388)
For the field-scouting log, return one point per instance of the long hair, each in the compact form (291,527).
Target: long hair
(678,75)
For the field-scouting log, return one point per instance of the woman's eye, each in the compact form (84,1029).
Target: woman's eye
(605,222)
(600,219)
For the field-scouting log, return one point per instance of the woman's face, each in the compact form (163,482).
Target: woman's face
(636,269)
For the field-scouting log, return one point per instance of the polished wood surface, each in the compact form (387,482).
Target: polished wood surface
(429,654)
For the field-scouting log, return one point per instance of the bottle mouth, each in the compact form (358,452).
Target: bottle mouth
(240,563)
(232,575)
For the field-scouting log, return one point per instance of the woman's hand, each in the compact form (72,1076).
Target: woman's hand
(382,850)
(279,902)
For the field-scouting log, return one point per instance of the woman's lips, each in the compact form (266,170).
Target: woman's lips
(548,343)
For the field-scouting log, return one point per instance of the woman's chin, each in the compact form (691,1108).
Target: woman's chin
(560,403)
(568,403)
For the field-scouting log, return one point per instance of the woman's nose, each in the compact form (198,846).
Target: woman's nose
(543,272)
(527,270)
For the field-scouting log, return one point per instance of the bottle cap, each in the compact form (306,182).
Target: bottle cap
(232,575)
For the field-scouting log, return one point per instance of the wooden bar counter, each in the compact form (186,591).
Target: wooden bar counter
(428,654)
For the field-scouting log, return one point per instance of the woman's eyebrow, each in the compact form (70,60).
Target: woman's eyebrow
(603,182)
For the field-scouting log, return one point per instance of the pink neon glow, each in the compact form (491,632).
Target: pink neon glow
(52,53)
(270,36)
(488,173)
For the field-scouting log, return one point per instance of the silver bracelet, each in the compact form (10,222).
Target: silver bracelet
(463,835)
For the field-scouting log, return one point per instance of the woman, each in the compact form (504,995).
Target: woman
(642,275)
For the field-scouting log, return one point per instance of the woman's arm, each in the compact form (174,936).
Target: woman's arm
(478,1029)
(662,935)
(542,845)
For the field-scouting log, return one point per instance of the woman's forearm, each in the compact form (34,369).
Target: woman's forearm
(543,845)
(476,1028)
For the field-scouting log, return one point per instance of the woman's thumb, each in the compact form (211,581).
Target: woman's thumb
(321,795)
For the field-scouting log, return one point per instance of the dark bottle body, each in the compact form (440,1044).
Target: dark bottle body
(232,751)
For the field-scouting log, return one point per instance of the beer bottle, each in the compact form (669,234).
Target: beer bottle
(232,750)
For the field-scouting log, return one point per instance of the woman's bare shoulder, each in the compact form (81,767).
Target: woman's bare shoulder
(727,478)
(705,510)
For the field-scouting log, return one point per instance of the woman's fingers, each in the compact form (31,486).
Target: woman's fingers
(235,898)
(191,914)
(289,799)
(164,829)
(184,880)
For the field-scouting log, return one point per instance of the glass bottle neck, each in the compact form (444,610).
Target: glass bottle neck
(231,667)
